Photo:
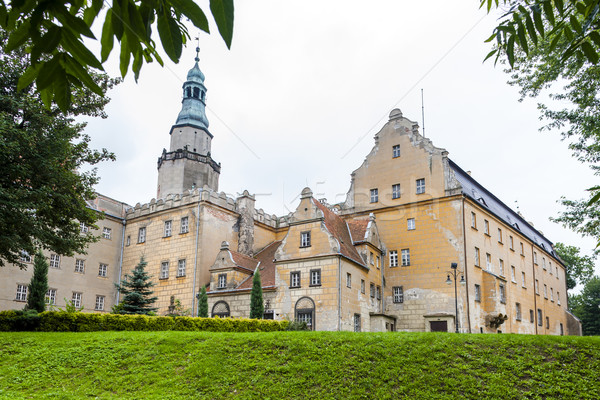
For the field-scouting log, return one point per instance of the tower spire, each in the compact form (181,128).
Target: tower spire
(194,97)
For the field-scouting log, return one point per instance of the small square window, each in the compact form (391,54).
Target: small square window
(348,279)
(181,268)
(106,233)
(393,258)
(477,292)
(222,282)
(305,239)
(374,195)
(396,151)
(396,191)
(185,226)
(54,261)
(142,235)
(76,299)
(405,257)
(164,270)
(295,279)
(168,230)
(315,277)
(80,266)
(99,303)
(421,186)
(21,293)
(410,224)
(103,270)
(398,294)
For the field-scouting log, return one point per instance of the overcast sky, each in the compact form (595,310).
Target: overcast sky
(306,85)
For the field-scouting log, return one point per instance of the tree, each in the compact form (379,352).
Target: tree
(43,192)
(580,268)
(137,291)
(256,298)
(38,287)
(203,303)
(55,33)
(586,306)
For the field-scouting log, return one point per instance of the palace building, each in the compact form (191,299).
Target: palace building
(418,245)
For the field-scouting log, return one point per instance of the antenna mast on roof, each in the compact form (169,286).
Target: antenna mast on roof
(423,112)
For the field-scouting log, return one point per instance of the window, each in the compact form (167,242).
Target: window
(181,268)
(377,262)
(518,311)
(488,262)
(513,274)
(315,277)
(523,279)
(374,195)
(378,292)
(164,270)
(356,322)
(499,235)
(501,265)
(486,227)
(477,292)
(372,290)
(476,257)
(551,294)
(473,220)
(550,267)
(511,241)
(547,322)
(396,191)
(106,233)
(410,224)
(421,186)
(531,316)
(535,258)
(76,299)
(544,262)
(142,235)
(396,151)
(537,287)
(305,239)
(522,249)
(545,291)
(398,294)
(502,294)
(393,258)
(348,280)
(83,228)
(185,226)
(168,228)
(405,257)
(102,270)
(539,316)
(558,298)
(21,293)
(371,258)
(295,279)
(80,266)
(128,240)
(51,297)
(99,303)
(222,283)
(25,257)
(54,261)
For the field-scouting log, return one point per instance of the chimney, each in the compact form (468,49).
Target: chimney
(245,207)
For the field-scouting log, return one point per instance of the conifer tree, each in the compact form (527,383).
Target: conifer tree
(203,303)
(256,298)
(137,291)
(38,287)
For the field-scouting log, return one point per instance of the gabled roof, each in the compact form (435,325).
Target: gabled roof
(266,267)
(243,261)
(358,230)
(475,191)
(339,229)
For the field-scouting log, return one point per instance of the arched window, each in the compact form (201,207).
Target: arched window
(220,309)
(188,92)
(305,312)
(202,95)
(196,92)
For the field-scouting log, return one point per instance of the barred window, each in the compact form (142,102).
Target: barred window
(398,294)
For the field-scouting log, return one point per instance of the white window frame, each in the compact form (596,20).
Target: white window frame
(21,293)
(50,298)
(164,270)
(80,266)
(477,259)
(393,258)
(185,225)
(76,299)
(396,151)
(222,281)
(398,292)
(305,239)
(181,268)
(396,191)
(405,253)
(99,303)
(142,235)
(168,228)
(103,270)
(374,195)
(315,277)
(83,228)
(410,224)
(295,279)
(54,261)
(106,233)
(420,185)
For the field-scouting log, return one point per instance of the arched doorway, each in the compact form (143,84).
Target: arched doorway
(305,312)
(220,309)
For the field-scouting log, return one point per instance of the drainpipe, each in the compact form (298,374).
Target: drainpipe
(124,222)
(339,293)
(194,312)
(465,260)
(535,313)
(382,301)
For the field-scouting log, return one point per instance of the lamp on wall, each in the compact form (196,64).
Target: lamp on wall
(454,274)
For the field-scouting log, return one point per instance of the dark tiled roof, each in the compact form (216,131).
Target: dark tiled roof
(358,229)
(472,189)
(339,229)
(267,267)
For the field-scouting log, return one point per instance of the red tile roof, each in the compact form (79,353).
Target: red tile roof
(244,261)
(267,267)
(339,229)
(358,229)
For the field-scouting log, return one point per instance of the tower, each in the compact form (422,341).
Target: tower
(188,163)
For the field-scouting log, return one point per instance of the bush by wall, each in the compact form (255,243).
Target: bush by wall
(61,321)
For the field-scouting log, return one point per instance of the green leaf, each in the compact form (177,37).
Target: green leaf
(90,13)
(71,22)
(491,53)
(191,10)
(555,40)
(107,39)
(595,36)
(49,72)
(560,6)
(537,20)
(124,57)
(530,28)
(575,24)
(589,52)
(594,199)
(78,71)
(170,35)
(47,43)
(28,76)
(46,95)
(522,38)
(222,11)
(510,50)
(62,91)
(78,50)
(138,61)
(19,36)
(549,11)
(117,20)
(136,23)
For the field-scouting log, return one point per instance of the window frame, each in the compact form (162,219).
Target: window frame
(102,272)
(477,292)
(348,280)
(502,292)
(396,151)
(374,195)
(409,226)
(486,227)
(396,191)
(77,299)
(21,294)
(168,228)
(184,225)
(164,270)
(293,276)
(54,261)
(222,281)
(362,286)
(398,294)
(473,220)
(477,257)
(393,258)
(305,239)
(518,313)
(99,306)
(405,257)
(181,271)
(106,233)
(142,235)
(80,266)
(315,276)
(50,298)
(420,186)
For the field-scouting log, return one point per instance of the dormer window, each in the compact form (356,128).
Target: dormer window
(222,283)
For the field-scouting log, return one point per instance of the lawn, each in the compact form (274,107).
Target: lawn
(296,365)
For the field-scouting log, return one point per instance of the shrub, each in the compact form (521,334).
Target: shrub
(297,326)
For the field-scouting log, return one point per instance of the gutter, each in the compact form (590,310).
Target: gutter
(535,294)
(123,222)
(194,303)
(465,267)
(339,294)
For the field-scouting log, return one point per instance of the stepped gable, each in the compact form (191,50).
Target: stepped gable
(340,230)
(243,261)
(358,230)
(266,257)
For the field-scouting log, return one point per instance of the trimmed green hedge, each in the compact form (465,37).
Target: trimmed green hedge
(61,321)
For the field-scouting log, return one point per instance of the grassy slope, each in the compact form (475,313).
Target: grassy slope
(169,365)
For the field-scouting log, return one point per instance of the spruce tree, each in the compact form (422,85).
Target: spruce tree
(203,303)
(137,291)
(256,299)
(38,287)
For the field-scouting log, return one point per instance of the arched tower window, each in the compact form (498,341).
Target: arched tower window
(220,309)
(305,312)
(188,92)
(202,95)
(196,92)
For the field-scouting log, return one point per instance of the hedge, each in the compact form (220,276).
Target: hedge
(61,321)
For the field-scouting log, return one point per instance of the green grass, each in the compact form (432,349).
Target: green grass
(303,365)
